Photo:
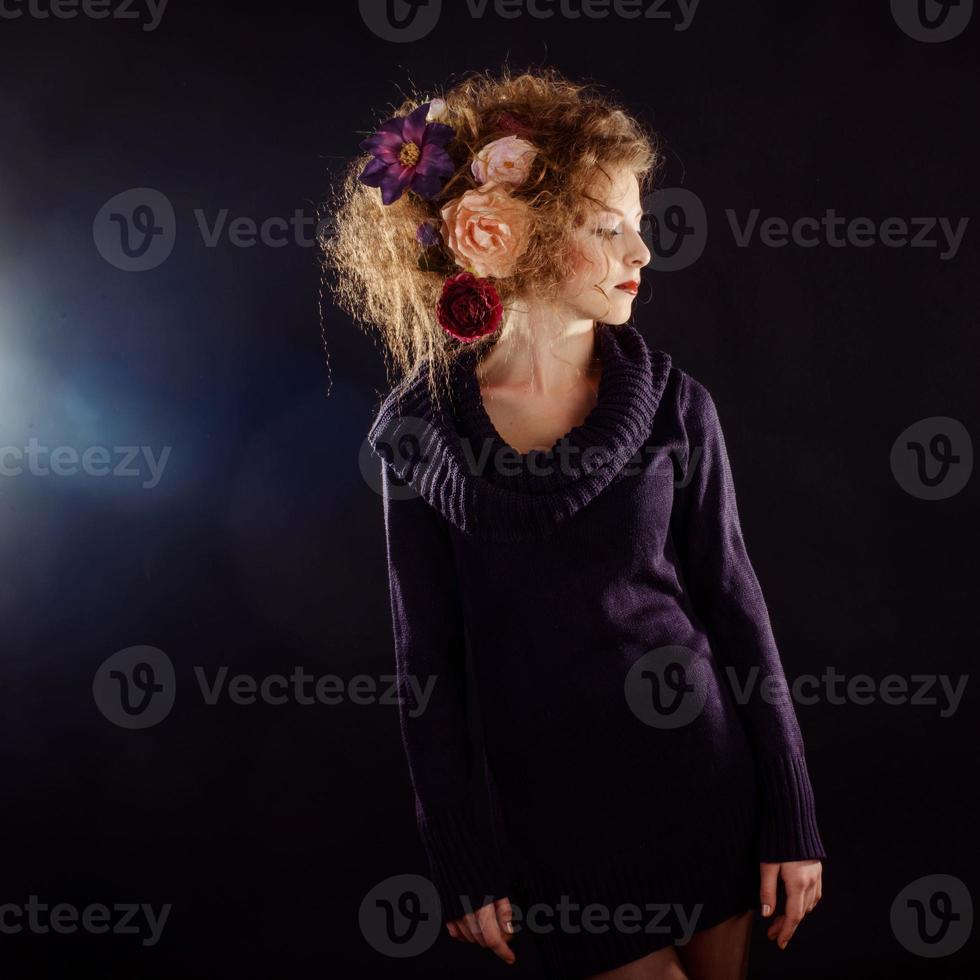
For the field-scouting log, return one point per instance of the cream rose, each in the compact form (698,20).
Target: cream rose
(437,110)
(487,230)
(504,161)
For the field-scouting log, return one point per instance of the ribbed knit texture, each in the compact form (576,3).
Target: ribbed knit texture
(556,572)
(424,448)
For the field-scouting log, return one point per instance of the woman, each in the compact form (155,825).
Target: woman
(558,501)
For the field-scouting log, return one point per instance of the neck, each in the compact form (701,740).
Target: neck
(540,351)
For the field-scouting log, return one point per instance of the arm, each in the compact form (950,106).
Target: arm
(429,642)
(726,595)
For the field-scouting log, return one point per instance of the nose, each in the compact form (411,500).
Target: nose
(637,253)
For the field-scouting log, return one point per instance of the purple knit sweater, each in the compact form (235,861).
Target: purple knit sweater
(639,735)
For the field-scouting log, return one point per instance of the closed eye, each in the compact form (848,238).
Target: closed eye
(613,232)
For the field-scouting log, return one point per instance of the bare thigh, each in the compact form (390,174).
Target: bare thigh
(660,965)
(721,952)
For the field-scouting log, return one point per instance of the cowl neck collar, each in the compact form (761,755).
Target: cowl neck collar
(453,456)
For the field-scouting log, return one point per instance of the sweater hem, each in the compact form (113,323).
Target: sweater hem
(642,901)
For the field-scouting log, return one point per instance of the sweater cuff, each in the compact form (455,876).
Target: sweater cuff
(466,865)
(789,824)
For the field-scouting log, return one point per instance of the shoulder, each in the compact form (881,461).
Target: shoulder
(688,397)
(405,403)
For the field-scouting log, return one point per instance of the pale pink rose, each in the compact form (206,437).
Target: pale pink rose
(504,161)
(487,229)
(437,110)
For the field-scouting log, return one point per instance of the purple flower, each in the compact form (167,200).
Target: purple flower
(409,154)
(427,234)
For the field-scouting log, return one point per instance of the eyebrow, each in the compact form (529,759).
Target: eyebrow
(606,207)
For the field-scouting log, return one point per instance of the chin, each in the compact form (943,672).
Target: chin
(618,313)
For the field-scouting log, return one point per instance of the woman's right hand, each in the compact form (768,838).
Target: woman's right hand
(490,926)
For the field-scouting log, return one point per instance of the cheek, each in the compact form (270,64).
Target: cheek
(588,262)
(579,278)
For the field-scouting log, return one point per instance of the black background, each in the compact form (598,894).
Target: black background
(262,547)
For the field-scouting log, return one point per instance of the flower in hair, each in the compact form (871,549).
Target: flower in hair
(506,161)
(469,307)
(512,124)
(437,110)
(427,233)
(487,229)
(409,154)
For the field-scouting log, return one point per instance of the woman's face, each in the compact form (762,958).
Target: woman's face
(608,253)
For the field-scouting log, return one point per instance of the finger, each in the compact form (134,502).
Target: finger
(768,878)
(794,913)
(453,930)
(492,937)
(476,930)
(505,914)
(464,927)
(811,898)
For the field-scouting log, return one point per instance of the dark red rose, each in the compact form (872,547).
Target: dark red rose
(468,307)
(513,124)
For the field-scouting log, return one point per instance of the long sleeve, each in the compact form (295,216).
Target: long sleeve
(430,643)
(725,593)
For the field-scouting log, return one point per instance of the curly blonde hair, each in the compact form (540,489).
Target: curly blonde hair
(371,256)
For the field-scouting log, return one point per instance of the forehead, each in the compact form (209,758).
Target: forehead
(621,190)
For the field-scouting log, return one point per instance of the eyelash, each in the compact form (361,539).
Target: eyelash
(611,232)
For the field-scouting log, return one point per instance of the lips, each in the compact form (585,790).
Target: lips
(630,286)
